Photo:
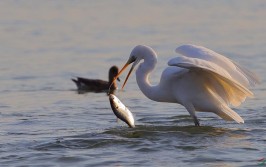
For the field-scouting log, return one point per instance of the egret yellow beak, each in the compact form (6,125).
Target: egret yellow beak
(131,60)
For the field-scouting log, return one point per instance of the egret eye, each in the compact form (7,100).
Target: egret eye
(134,58)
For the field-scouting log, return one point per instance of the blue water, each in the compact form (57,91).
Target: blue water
(44,121)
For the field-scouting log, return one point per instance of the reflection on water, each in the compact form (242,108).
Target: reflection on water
(200,137)
(120,137)
(203,144)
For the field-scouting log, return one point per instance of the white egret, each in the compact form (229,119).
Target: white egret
(199,79)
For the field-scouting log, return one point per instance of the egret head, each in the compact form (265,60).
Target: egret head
(136,55)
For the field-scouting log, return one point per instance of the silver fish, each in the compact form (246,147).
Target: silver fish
(121,111)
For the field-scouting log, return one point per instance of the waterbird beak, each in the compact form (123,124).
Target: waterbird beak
(130,60)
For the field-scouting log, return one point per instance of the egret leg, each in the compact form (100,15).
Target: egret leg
(196,121)
(190,108)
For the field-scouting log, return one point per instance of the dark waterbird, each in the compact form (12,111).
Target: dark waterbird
(98,85)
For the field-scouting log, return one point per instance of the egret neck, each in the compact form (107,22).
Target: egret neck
(142,76)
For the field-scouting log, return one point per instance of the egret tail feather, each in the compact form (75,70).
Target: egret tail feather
(228,114)
(223,110)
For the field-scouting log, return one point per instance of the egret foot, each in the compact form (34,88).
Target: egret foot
(190,108)
(196,121)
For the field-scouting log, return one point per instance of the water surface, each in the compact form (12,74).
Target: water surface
(45,122)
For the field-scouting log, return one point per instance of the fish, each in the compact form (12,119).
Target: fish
(121,111)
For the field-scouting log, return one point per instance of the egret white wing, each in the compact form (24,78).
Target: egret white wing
(219,80)
(239,73)
(251,76)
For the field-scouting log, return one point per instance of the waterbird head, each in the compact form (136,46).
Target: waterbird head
(113,71)
(112,78)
